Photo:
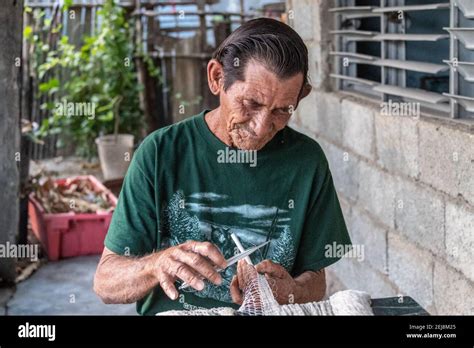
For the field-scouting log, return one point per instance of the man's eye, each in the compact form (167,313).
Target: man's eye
(282,112)
(252,105)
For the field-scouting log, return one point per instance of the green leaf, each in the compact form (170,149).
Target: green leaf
(108,117)
(27,32)
(49,85)
(57,29)
(67,4)
(48,106)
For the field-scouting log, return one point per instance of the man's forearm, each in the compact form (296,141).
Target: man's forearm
(310,286)
(122,279)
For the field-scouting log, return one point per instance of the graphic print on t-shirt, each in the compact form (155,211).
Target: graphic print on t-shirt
(207,216)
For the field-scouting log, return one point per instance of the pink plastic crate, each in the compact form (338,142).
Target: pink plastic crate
(70,234)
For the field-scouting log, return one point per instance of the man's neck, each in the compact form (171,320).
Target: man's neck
(217,126)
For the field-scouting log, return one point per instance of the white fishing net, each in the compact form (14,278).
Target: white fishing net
(257,294)
(259,300)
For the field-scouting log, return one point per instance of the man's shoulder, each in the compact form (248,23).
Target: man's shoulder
(166,140)
(175,135)
(175,129)
(305,145)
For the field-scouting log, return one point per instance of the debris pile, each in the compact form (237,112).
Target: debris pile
(76,195)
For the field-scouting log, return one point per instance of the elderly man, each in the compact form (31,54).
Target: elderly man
(236,169)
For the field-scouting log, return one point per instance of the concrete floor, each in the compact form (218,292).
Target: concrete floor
(63,288)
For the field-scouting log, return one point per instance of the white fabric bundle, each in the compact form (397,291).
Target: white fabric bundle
(347,302)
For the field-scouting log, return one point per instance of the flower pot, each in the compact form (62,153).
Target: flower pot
(115,153)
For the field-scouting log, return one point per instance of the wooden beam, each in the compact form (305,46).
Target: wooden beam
(200,13)
(122,4)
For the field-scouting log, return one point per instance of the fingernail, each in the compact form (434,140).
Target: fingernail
(200,286)
(174,296)
(219,280)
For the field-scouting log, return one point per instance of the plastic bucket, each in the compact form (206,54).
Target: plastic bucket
(115,154)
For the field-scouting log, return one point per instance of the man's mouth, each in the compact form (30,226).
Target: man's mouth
(245,129)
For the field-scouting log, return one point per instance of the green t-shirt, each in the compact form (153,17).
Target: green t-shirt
(185,184)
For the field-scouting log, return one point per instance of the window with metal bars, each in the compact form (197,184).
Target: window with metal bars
(407,50)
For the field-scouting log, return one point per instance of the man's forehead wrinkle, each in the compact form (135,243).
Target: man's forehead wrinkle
(262,86)
(265,96)
(259,97)
(253,93)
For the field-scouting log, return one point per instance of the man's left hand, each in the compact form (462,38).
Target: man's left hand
(283,286)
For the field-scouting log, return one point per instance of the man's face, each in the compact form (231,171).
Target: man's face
(257,108)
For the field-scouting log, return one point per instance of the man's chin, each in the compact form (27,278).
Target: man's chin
(250,146)
(244,141)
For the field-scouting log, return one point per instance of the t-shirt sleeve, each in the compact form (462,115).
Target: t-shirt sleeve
(133,229)
(324,227)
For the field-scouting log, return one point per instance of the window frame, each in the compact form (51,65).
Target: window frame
(395,51)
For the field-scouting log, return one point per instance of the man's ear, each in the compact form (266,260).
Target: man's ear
(304,93)
(215,76)
(306,90)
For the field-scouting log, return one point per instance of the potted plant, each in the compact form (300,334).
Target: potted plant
(98,101)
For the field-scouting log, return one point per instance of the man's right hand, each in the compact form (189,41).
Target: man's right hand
(191,262)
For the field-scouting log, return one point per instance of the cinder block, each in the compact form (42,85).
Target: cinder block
(328,116)
(320,114)
(358,127)
(446,159)
(323,20)
(377,193)
(397,144)
(360,276)
(305,115)
(344,166)
(419,215)
(344,169)
(411,269)
(346,209)
(319,64)
(301,19)
(372,237)
(453,293)
(460,238)
(314,63)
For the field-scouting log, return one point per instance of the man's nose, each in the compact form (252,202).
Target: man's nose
(262,124)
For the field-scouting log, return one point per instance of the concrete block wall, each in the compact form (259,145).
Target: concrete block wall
(406,185)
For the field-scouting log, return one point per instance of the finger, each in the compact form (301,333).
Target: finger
(199,264)
(242,281)
(167,284)
(206,249)
(183,272)
(235,292)
(245,273)
(273,269)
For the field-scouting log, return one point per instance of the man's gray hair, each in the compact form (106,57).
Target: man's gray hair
(273,43)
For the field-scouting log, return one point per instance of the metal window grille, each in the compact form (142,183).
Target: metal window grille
(407,50)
